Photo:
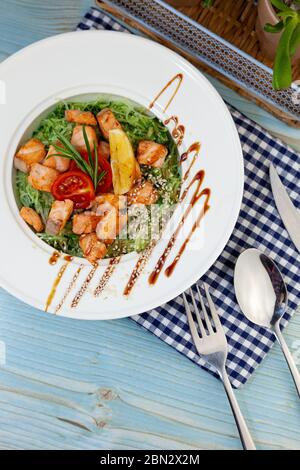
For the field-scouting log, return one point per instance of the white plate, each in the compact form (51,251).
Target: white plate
(109,62)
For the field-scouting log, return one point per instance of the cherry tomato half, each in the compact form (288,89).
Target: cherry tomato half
(103,165)
(84,155)
(74,185)
(103,150)
(106,182)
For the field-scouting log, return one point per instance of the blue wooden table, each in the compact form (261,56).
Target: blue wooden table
(67,384)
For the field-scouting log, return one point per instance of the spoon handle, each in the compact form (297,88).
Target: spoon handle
(244,433)
(288,357)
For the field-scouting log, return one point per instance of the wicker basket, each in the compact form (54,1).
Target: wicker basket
(232,20)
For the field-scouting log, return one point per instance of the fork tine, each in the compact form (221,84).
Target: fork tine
(192,325)
(207,320)
(213,310)
(200,322)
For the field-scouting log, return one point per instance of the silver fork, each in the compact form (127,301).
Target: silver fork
(211,344)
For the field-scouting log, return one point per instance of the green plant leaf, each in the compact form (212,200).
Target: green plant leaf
(274,28)
(295,40)
(282,71)
(280,5)
(207,3)
(285,15)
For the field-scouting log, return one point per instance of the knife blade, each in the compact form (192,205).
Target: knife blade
(288,212)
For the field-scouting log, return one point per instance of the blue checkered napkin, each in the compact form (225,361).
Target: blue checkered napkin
(97,19)
(259,225)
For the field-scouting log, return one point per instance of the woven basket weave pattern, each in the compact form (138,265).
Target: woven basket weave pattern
(217,39)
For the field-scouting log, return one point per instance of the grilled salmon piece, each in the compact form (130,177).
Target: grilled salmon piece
(138,173)
(103,203)
(41,177)
(107,121)
(53,160)
(21,165)
(103,150)
(110,225)
(113,216)
(92,248)
(32,218)
(152,154)
(32,152)
(80,117)
(86,222)
(59,215)
(78,141)
(142,193)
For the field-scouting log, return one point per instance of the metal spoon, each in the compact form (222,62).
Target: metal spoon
(262,297)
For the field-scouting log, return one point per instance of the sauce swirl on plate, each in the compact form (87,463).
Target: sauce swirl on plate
(178,78)
(55,285)
(107,275)
(198,179)
(178,130)
(54,258)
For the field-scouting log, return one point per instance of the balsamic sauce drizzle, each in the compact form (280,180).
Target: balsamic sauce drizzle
(55,285)
(107,275)
(84,286)
(69,288)
(198,178)
(206,192)
(178,77)
(195,147)
(54,258)
(178,130)
(139,267)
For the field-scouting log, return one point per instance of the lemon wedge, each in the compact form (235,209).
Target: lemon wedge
(123,162)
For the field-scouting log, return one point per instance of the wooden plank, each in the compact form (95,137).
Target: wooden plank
(73,384)
(69,384)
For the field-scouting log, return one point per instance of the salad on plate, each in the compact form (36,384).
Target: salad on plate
(88,178)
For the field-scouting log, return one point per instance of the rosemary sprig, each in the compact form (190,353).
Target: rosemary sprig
(96,165)
(65,149)
(100,177)
(87,144)
(72,154)
(97,176)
